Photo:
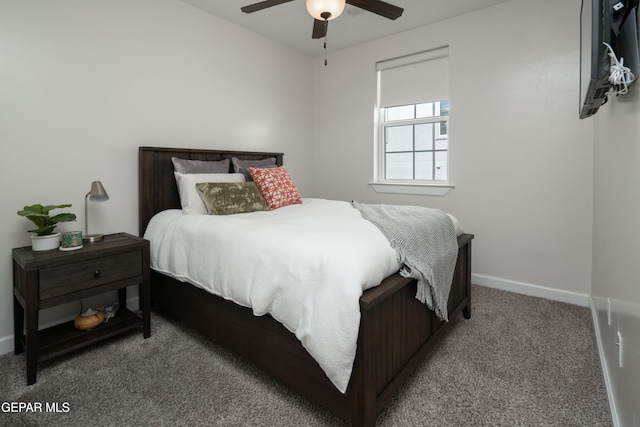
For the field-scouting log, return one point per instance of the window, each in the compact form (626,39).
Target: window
(412,143)
(416,142)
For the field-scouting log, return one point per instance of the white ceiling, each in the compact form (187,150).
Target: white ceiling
(291,24)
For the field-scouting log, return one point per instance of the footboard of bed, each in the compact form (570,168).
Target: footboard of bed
(396,332)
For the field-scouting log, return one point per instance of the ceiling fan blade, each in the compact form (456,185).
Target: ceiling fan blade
(378,7)
(319,29)
(262,5)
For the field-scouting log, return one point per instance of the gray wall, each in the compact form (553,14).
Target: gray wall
(521,160)
(616,233)
(84,83)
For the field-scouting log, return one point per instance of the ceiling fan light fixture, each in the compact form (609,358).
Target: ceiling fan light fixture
(325,9)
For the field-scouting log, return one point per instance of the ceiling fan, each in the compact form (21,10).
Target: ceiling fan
(325,10)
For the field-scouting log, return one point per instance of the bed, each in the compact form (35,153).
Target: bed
(395,333)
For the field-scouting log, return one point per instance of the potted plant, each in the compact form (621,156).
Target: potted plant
(44,237)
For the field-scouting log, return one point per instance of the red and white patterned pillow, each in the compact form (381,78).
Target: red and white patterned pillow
(276,187)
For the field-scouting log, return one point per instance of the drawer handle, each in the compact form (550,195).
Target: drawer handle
(96,274)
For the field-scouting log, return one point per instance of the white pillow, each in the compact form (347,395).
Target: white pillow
(189,196)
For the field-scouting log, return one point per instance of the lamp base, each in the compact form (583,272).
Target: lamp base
(91,238)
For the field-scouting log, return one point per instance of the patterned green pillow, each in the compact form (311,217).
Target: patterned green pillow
(225,198)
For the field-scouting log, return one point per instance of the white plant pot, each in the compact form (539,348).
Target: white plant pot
(45,243)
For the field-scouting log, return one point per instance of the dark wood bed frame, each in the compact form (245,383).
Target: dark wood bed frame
(396,331)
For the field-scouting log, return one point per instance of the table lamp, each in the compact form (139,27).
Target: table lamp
(97,194)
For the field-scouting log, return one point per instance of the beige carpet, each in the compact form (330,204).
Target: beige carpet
(519,361)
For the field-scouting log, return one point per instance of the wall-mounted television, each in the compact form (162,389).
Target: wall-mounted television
(607,27)
(595,30)
(624,26)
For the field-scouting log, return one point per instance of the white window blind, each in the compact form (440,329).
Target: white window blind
(414,79)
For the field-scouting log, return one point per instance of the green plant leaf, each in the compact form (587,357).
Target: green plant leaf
(63,217)
(39,215)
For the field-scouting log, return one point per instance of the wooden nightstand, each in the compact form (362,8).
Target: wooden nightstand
(49,278)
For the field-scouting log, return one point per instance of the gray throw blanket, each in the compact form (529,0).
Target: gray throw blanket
(425,242)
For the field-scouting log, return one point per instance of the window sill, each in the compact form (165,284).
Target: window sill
(422,189)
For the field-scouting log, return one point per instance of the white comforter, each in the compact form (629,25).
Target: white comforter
(306,265)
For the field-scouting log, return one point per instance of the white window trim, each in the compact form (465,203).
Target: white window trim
(413,188)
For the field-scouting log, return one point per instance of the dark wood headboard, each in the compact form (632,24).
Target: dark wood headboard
(157,184)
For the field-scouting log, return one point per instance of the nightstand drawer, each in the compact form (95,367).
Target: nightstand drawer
(68,278)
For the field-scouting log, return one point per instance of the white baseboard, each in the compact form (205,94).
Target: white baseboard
(530,289)
(6,344)
(605,368)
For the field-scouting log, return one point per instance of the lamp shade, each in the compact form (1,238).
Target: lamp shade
(325,9)
(98,193)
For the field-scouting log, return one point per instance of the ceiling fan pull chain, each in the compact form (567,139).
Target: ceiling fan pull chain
(326,27)
(325,51)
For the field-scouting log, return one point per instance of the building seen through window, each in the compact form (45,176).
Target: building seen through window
(416,142)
